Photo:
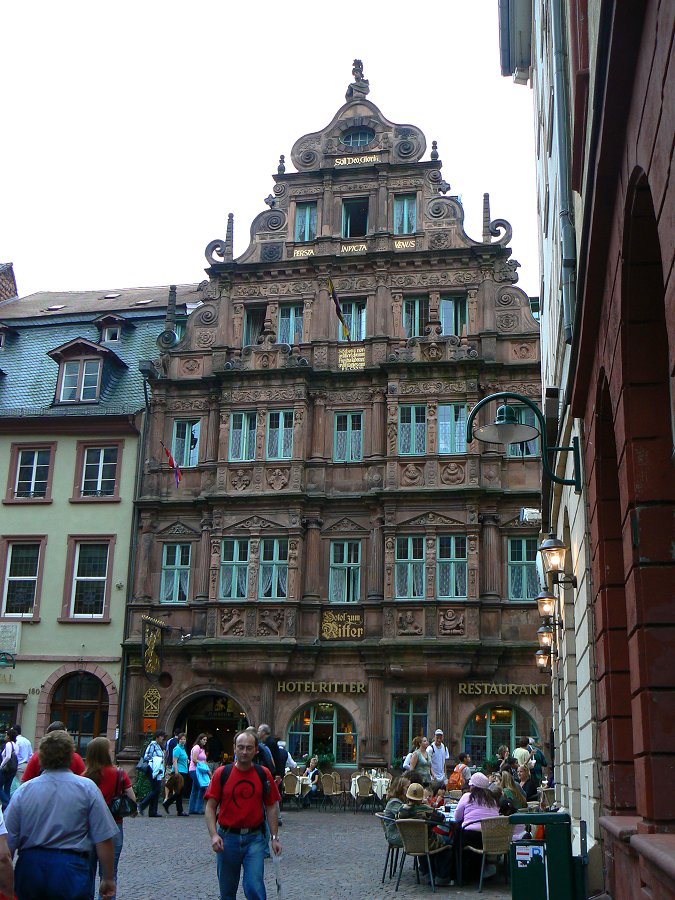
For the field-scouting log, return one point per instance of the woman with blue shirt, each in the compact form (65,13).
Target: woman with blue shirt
(179,773)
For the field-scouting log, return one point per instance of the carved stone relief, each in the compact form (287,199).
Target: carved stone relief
(240,479)
(232,622)
(277,478)
(452,473)
(409,622)
(270,622)
(450,622)
(412,475)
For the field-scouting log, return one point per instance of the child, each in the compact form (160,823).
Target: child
(438,799)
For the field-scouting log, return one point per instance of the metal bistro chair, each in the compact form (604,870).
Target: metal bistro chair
(415,837)
(340,791)
(290,788)
(364,793)
(496,834)
(391,859)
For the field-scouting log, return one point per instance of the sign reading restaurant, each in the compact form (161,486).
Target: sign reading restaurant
(503,690)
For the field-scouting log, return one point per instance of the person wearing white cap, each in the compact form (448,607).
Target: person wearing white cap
(478,803)
(438,757)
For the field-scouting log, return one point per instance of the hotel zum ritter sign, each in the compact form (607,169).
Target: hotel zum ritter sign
(341,626)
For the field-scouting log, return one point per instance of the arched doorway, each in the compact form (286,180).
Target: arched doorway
(217,715)
(325,730)
(491,726)
(80,701)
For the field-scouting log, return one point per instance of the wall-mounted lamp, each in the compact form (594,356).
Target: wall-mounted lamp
(553,552)
(506,429)
(7,660)
(545,604)
(543,658)
(545,636)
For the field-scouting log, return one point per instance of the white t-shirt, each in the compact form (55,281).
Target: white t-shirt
(3,829)
(438,756)
(406,762)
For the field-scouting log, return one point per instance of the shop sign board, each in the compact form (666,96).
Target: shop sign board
(502,690)
(321,687)
(341,626)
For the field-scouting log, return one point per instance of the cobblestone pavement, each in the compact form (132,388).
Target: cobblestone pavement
(326,855)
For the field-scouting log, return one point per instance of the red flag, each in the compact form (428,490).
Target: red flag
(173,465)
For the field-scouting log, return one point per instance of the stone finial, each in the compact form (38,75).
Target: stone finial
(270,201)
(281,168)
(228,255)
(487,238)
(434,149)
(360,86)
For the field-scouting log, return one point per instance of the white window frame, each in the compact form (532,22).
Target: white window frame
(279,451)
(409,562)
(173,572)
(34,466)
(295,311)
(77,579)
(348,572)
(20,578)
(189,457)
(234,565)
(354,314)
(454,562)
(455,425)
(84,371)
(247,431)
(276,564)
(99,475)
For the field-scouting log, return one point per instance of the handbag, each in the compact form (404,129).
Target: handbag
(143,765)
(12,764)
(121,806)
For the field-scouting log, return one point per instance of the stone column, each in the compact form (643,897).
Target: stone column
(327,206)
(491,557)
(376,567)
(267,703)
(374,738)
(132,729)
(377,447)
(444,712)
(312,561)
(143,580)
(318,426)
(382,202)
(204,561)
(379,320)
(212,429)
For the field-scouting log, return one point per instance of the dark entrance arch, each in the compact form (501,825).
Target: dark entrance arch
(218,715)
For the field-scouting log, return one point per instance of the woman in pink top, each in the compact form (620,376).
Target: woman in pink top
(197,754)
(477,804)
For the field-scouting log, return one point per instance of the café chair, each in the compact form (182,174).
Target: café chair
(547,797)
(453,795)
(393,847)
(415,838)
(329,793)
(340,791)
(364,793)
(496,834)
(290,788)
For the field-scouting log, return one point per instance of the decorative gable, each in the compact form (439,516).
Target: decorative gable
(432,518)
(345,525)
(178,529)
(255,523)
(80,347)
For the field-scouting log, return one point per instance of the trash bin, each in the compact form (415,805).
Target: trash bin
(545,869)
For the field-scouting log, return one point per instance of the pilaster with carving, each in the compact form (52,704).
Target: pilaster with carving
(377,445)
(432,426)
(472,564)
(389,563)
(253,568)
(143,585)
(379,324)
(312,558)
(299,432)
(472,311)
(327,206)
(307,304)
(430,567)
(214,568)
(237,324)
(203,568)
(318,425)
(294,549)
(261,421)
(397,315)
(491,562)
(376,568)
(213,428)
(224,436)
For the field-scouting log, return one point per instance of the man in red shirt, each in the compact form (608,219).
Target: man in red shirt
(33,767)
(237,797)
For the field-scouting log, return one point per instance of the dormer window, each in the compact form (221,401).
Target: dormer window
(112,334)
(80,381)
(357,137)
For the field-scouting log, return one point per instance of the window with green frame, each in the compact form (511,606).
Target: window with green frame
(354,314)
(305,222)
(355,217)
(453,315)
(254,322)
(491,727)
(452,427)
(290,324)
(412,429)
(175,573)
(451,566)
(409,574)
(345,572)
(242,435)
(323,729)
(409,720)
(523,576)
(415,316)
(273,575)
(348,437)
(233,569)
(405,213)
(525,448)
(280,434)
(185,444)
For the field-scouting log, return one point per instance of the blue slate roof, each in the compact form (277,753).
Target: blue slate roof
(28,376)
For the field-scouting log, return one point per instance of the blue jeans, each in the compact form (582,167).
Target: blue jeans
(247,850)
(118,843)
(56,874)
(196,795)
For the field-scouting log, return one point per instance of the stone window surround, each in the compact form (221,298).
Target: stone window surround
(14,451)
(82,446)
(45,699)
(159,544)
(66,616)
(5,541)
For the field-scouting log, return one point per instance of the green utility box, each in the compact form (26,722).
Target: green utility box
(545,869)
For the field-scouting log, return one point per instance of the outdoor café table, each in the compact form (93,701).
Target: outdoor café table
(302,785)
(380,786)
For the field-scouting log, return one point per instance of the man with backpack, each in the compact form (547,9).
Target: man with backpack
(241,798)
(459,777)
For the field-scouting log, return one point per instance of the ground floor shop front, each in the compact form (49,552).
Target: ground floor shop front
(346,711)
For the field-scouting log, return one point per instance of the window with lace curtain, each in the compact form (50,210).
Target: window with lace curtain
(290,324)
(254,322)
(273,575)
(453,315)
(185,444)
(175,573)
(242,435)
(409,578)
(280,434)
(354,314)
(525,416)
(348,437)
(345,571)
(405,213)
(523,577)
(452,427)
(451,566)
(305,221)
(412,429)
(233,569)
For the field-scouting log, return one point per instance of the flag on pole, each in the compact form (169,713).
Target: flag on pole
(338,309)
(173,465)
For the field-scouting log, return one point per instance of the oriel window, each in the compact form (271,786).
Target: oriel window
(345,571)
(273,577)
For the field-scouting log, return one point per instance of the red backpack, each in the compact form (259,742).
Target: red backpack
(456,779)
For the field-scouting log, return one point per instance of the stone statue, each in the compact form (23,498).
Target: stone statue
(360,87)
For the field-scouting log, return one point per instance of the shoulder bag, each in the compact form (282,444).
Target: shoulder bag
(121,806)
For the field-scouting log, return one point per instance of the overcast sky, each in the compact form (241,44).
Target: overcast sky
(130,130)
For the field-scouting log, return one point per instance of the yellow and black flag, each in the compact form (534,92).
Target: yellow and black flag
(338,309)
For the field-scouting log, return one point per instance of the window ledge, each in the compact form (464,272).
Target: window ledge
(25,501)
(94,500)
(71,620)
(27,617)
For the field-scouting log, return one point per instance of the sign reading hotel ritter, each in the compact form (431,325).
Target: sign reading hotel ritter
(321,687)
(341,626)
(351,358)
(502,690)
